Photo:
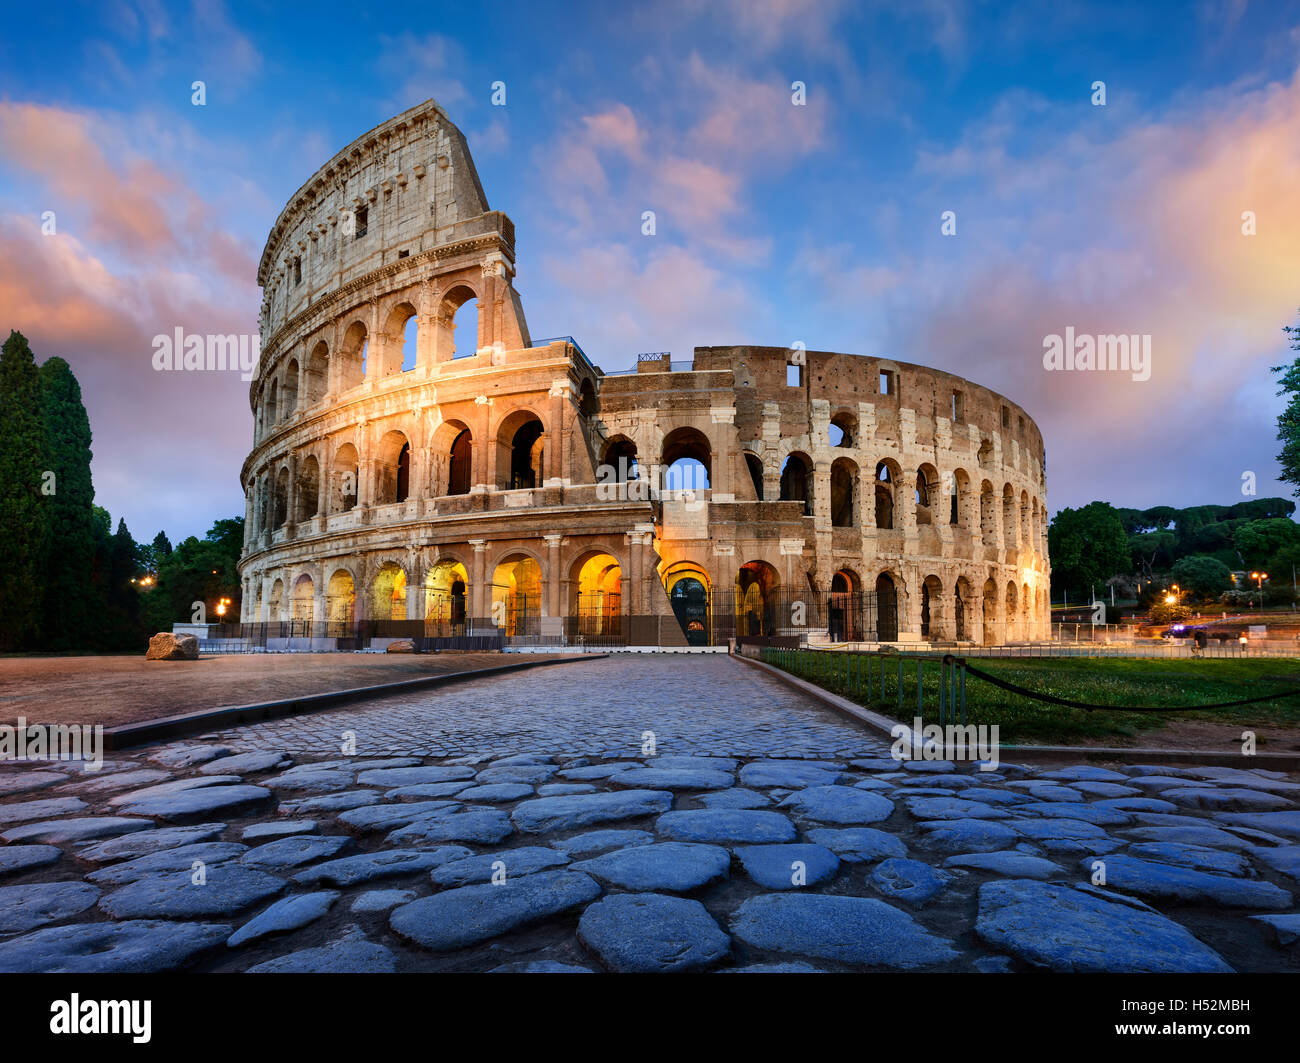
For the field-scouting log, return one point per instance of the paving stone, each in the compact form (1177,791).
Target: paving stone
(180,858)
(421,791)
(142,842)
(736,797)
(1216,861)
(990,796)
(15,858)
(580,810)
(600,841)
(1285,858)
(597,771)
(461,917)
(1066,929)
(316,782)
(368,763)
(967,835)
(774,866)
(856,930)
(25,782)
(229,888)
(1057,828)
(1172,883)
(485,826)
(175,757)
(1159,771)
(1286,928)
(388,817)
(876,764)
(381,900)
(994,965)
(761,773)
(287,853)
(350,870)
(1158,782)
(196,803)
(121,780)
(289,913)
(562,789)
(1273,782)
(952,808)
(909,881)
(879,785)
(498,791)
(1089,813)
(348,956)
(1086,772)
(245,764)
(134,947)
(839,804)
(1284,824)
(516,773)
(933,767)
(524,758)
(279,829)
(1227,798)
(672,867)
(34,904)
(1200,835)
(856,845)
(525,860)
(1012,864)
(796,967)
(651,933)
(943,785)
(685,761)
(340,802)
(1137,804)
(1041,791)
(725,825)
(658,778)
(74,830)
(173,786)
(1106,789)
(414,776)
(26,811)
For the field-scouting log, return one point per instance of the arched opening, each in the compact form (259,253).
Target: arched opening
(277,601)
(886,608)
(755,467)
(960,593)
(410,338)
(620,461)
(343,491)
(844,611)
(392,469)
(756,584)
(1010,613)
(317,378)
(688,593)
(308,490)
(446,598)
(796,481)
(388,593)
(597,595)
(1025,523)
(340,598)
(304,600)
(844,489)
(886,477)
(957,496)
(687,458)
(990,613)
(931,599)
(272,404)
(521,442)
(988,518)
(289,393)
(587,404)
(517,595)
(280,514)
(352,356)
(1026,602)
(459,463)
(927,488)
(458,324)
(1010,518)
(842,430)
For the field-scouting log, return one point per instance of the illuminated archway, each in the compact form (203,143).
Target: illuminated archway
(517,594)
(446,597)
(755,588)
(304,602)
(688,585)
(596,589)
(388,593)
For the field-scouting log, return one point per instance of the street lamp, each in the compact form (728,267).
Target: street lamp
(1259,578)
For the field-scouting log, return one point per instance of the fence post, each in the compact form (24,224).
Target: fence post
(920,686)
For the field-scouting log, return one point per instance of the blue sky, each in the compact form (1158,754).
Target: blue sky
(775,223)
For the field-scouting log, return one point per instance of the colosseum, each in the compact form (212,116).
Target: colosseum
(424,468)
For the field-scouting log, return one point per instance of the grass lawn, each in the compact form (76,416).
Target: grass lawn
(1099,680)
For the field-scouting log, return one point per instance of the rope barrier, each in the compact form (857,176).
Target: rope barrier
(1088,706)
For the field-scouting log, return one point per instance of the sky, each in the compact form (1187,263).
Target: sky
(777,222)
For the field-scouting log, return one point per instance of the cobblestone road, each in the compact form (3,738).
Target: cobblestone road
(695,704)
(513,824)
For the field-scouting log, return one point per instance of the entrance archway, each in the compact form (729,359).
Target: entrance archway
(389,593)
(446,596)
(688,593)
(886,608)
(340,598)
(756,584)
(517,595)
(597,601)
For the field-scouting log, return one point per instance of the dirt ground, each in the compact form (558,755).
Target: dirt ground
(118,690)
(1208,735)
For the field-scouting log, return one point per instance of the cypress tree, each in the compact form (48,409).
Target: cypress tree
(70,534)
(126,629)
(22,515)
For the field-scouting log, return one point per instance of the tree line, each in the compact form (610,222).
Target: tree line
(70,582)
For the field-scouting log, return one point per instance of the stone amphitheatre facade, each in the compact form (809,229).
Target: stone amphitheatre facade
(418,473)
